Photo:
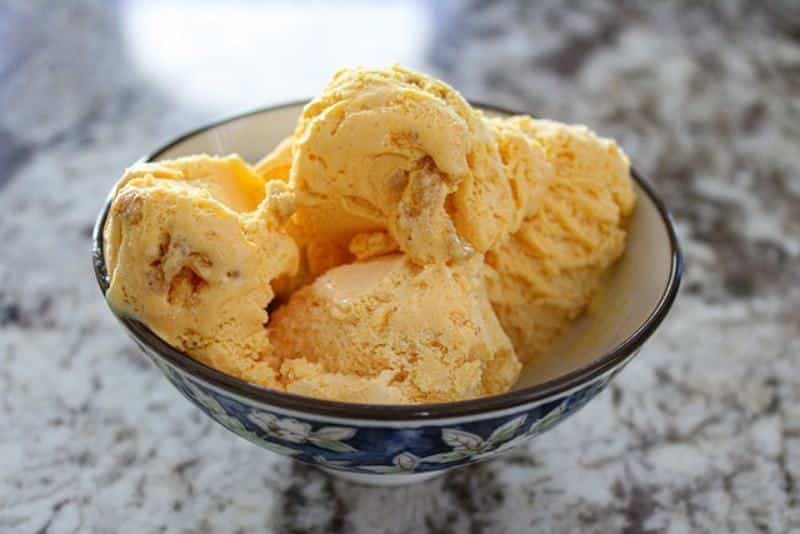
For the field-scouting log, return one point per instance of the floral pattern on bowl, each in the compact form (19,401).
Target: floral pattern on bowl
(380,450)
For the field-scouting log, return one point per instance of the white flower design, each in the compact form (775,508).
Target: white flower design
(468,445)
(290,430)
(545,423)
(218,413)
(294,431)
(406,461)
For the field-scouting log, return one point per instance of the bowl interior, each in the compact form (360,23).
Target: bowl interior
(634,288)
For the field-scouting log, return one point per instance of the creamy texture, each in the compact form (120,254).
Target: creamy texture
(545,274)
(416,251)
(396,151)
(527,168)
(191,247)
(413,333)
(315,255)
(277,164)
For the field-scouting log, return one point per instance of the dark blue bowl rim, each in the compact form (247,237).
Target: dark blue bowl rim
(417,412)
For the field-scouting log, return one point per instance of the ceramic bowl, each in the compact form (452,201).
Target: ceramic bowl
(401,444)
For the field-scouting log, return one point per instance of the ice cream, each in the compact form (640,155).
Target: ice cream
(410,249)
(527,168)
(278,163)
(191,248)
(395,151)
(406,332)
(546,273)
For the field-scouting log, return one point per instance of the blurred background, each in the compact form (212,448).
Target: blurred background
(702,432)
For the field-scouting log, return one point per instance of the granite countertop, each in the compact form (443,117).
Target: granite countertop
(701,432)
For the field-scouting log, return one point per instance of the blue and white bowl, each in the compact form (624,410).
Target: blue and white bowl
(380,444)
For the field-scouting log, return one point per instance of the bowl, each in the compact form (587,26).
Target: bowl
(388,445)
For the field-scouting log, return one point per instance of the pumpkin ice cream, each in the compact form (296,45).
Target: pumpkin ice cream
(546,273)
(394,151)
(278,163)
(410,249)
(191,248)
(412,333)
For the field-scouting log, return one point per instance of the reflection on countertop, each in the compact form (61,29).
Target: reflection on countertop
(699,433)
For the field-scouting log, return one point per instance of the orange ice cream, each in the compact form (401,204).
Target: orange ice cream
(191,248)
(277,164)
(395,151)
(406,333)
(419,251)
(545,274)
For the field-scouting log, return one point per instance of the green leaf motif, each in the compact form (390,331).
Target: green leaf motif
(507,430)
(548,420)
(336,433)
(462,441)
(254,438)
(331,444)
(232,424)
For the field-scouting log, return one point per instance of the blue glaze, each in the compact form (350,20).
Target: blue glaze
(380,450)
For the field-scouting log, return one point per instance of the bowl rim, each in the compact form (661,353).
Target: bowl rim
(386,412)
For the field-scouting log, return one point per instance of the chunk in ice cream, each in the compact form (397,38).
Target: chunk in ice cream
(191,248)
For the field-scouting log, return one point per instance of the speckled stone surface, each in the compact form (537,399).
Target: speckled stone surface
(701,432)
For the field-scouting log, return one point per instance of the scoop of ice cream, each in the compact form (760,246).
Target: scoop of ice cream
(545,274)
(395,151)
(191,248)
(397,330)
